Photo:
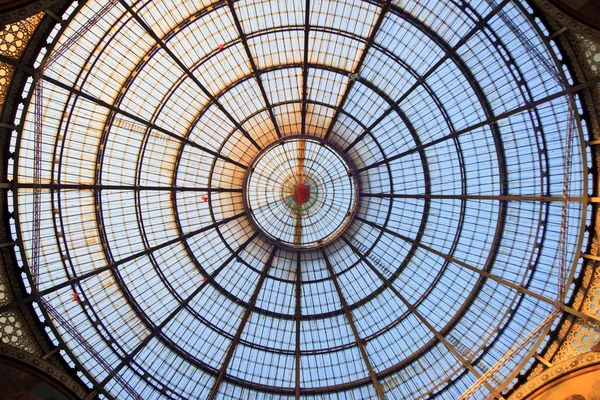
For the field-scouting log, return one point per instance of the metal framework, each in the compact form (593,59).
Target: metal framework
(142,124)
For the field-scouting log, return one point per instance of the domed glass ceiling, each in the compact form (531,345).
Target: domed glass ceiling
(153,274)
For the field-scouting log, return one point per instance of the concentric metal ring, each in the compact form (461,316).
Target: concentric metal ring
(300,192)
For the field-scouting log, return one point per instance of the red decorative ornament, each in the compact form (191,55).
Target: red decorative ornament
(301,193)
(75,297)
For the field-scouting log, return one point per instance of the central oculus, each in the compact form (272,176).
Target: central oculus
(300,192)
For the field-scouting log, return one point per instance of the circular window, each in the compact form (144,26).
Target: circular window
(300,192)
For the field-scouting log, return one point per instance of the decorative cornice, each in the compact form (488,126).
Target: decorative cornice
(46,368)
(564,368)
(551,11)
(27,10)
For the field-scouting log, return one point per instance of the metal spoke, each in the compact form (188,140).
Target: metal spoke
(298,318)
(117,110)
(388,284)
(489,121)
(449,53)
(84,186)
(305,66)
(350,319)
(361,60)
(156,331)
(543,199)
(240,330)
(518,288)
(255,71)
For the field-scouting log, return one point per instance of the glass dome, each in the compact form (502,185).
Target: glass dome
(298,199)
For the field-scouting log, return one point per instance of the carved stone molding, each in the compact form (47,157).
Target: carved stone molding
(551,11)
(555,372)
(24,10)
(45,367)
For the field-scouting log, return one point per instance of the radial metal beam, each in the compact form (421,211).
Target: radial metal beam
(448,54)
(543,360)
(488,121)
(298,317)
(359,64)
(156,331)
(111,266)
(238,334)
(544,199)
(84,186)
(590,257)
(255,71)
(460,263)
(187,71)
(52,352)
(350,318)
(388,284)
(8,126)
(305,66)
(116,109)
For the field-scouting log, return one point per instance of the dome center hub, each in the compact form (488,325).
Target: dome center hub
(300,192)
